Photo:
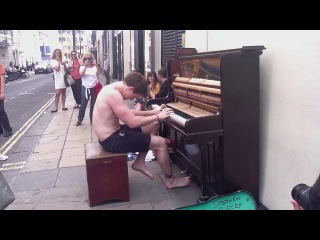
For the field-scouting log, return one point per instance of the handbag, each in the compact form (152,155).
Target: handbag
(6,194)
(97,88)
(68,80)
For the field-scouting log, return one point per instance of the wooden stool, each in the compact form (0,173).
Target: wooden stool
(107,174)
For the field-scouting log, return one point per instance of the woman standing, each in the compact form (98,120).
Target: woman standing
(89,74)
(58,73)
(74,67)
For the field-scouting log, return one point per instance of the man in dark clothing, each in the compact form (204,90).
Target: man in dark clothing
(4,121)
(165,85)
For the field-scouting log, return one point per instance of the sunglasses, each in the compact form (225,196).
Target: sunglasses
(73,54)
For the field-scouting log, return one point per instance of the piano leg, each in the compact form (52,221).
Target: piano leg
(204,167)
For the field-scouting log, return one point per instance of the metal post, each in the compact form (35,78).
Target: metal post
(80,40)
(74,39)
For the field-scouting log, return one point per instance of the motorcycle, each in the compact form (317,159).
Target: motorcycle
(10,74)
(22,72)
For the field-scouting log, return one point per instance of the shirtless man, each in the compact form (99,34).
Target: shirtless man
(135,135)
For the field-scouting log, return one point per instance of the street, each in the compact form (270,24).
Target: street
(24,98)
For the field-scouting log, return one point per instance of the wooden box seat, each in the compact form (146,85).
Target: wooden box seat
(107,175)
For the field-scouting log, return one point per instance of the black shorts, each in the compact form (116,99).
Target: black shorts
(127,140)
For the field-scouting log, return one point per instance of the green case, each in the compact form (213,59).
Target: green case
(240,200)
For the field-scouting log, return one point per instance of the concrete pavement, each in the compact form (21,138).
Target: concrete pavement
(54,174)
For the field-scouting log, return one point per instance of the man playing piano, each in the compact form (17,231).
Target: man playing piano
(135,135)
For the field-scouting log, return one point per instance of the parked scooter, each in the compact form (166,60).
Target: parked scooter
(10,74)
(22,72)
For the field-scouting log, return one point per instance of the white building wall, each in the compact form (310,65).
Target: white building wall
(126,53)
(289,90)
(99,45)
(157,49)
(197,39)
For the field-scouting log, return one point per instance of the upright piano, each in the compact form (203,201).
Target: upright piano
(215,125)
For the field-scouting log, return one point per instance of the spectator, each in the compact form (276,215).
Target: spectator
(58,73)
(74,67)
(4,121)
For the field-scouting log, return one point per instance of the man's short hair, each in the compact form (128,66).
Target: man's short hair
(138,82)
(163,73)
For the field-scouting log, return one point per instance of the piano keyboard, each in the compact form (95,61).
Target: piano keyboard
(176,118)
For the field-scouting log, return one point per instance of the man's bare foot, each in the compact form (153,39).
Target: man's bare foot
(142,168)
(177,182)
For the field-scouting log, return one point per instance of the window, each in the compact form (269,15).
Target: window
(63,39)
(60,39)
(171,40)
(68,39)
(68,32)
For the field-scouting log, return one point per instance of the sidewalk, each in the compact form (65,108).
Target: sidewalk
(54,175)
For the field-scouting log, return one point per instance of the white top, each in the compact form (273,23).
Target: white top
(58,75)
(106,64)
(90,79)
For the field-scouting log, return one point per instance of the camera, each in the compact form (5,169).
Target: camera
(90,60)
(307,197)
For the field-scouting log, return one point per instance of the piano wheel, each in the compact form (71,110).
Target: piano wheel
(202,199)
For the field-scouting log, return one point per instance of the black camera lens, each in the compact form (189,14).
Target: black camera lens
(301,193)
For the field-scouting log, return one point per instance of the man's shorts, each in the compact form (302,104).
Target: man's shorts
(127,140)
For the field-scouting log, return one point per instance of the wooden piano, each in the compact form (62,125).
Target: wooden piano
(215,124)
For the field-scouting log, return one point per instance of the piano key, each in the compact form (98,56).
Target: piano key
(176,118)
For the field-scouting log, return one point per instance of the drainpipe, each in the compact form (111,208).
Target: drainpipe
(207,40)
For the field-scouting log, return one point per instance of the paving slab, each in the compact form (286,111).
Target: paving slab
(32,166)
(72,176)
(52,138)
(25,206)
(142,190)
(72,161)
(62,206)
(44,156)
(77,193)
(73,152)
(76,143)
(141,206)
(24,197)
(34,180)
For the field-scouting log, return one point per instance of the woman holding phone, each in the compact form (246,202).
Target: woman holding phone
(89,75)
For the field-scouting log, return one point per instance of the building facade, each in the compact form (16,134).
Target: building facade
(78,40)
(141,50)
(288,72)
(9,47)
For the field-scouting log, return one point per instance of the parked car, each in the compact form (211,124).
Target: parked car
(43,67)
